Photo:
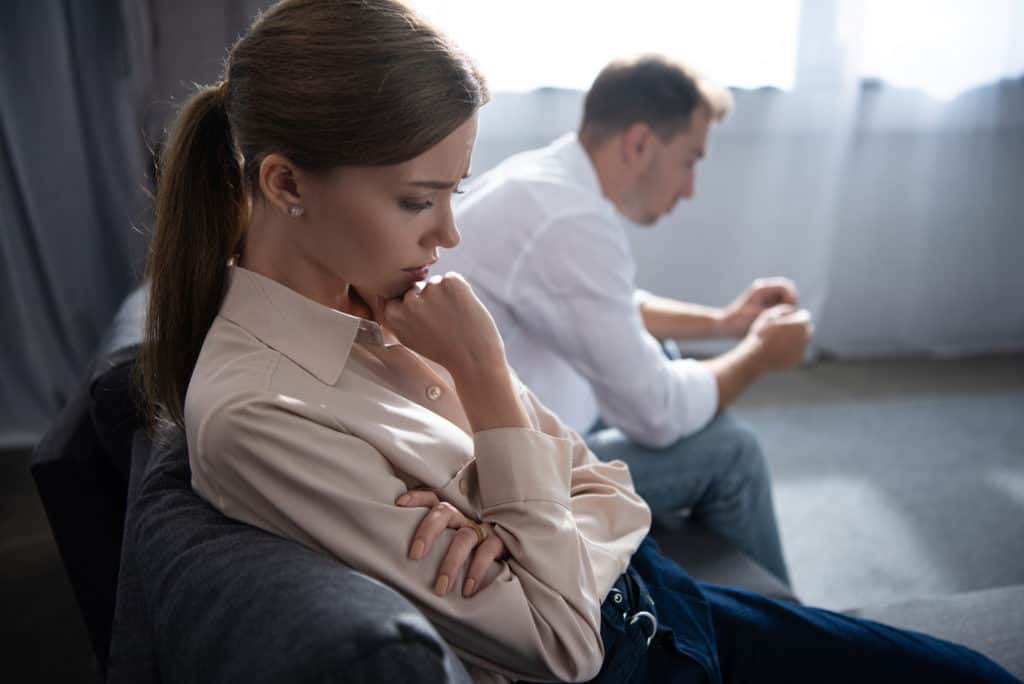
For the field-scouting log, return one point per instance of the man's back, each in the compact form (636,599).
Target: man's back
(549,257)
(503,218)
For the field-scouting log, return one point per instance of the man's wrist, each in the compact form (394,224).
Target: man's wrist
(749,356)
(720,323)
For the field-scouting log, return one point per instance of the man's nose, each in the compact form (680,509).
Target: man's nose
(687,191)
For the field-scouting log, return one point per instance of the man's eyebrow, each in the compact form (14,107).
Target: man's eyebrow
(437,184)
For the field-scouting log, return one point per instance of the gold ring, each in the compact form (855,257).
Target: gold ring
(480,534)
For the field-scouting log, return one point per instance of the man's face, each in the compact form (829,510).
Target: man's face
(670,173)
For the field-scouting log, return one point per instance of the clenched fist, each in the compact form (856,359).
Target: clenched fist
(762,294)
(444,321)
(781,335)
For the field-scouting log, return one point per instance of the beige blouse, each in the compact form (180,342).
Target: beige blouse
(302,422)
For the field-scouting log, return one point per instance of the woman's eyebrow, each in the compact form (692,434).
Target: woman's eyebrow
(438,184)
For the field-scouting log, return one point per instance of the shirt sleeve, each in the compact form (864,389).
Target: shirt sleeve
(289,467)
(574,292)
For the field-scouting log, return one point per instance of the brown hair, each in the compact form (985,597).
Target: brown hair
(326,83)
(650,88)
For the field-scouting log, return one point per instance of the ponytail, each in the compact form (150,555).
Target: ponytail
(378,85)
(198,226)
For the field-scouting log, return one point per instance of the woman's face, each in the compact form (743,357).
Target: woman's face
(379,228)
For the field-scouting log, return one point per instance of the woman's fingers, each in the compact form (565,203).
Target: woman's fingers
(489,550)
(441,517)
(465,542)
(418,498)
(462,545)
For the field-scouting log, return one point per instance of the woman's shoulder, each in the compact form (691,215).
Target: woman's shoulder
(231,360)
(240,381)
(233,368)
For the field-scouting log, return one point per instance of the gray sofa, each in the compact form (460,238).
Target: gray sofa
(172,591)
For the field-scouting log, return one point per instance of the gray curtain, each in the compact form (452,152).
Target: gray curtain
(87,89)
(73,198)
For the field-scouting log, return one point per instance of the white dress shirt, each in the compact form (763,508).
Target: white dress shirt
(549,257)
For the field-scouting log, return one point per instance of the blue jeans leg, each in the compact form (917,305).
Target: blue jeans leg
(719,473)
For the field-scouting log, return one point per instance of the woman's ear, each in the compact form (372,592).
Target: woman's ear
(280,184)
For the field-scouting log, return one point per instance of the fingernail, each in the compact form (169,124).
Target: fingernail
(468,587)
(442,585)
(417,549)
(404,499)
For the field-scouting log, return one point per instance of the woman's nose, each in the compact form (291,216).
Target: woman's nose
(448,234)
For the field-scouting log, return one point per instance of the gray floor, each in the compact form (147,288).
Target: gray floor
(896,479)
(893,480)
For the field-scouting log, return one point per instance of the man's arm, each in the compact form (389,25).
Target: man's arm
(672,319)
(574,295)
(667,318)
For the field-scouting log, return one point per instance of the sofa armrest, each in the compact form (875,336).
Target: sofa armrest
(227,602)
(84,502)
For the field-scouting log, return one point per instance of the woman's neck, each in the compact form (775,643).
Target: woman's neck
(266,252)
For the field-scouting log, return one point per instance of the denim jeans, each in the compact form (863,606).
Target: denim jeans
(659,625)
(719,474)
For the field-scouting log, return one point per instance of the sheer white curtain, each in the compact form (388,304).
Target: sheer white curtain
(880,169)
(939,46)
(564,43)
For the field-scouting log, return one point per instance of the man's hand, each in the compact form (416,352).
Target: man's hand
(443,516)
(780,336)
(762,294)
(776,341)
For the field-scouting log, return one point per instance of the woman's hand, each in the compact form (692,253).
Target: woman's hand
(444,321)
(444,516)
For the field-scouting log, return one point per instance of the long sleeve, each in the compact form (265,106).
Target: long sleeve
(574,291)
(570,522)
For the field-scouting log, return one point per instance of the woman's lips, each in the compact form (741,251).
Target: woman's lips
(419,273)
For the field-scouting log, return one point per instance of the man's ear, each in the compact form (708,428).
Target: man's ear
(636,144)
(280,182)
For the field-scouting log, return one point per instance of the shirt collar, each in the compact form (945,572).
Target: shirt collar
(577,162)
(317,338)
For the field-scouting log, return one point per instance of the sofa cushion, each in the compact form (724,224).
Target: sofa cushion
(708,558)
(227,602)
(990,621)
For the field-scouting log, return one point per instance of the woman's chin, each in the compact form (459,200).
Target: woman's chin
(397,290)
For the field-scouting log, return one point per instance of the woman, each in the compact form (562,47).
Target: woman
(335,394)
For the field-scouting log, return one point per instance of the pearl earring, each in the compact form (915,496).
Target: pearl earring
(295,211)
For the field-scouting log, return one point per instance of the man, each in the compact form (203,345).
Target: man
(545,248)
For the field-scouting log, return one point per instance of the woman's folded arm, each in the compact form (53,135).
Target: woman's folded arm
(289,467)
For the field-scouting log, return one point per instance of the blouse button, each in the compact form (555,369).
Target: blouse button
(433,392)
(464,486)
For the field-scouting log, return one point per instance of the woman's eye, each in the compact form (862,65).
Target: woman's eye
(413,205)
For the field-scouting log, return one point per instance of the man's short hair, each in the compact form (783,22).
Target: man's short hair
(653,89)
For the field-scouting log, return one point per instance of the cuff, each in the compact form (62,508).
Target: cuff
(640,296)
(701,393)
(520,464)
